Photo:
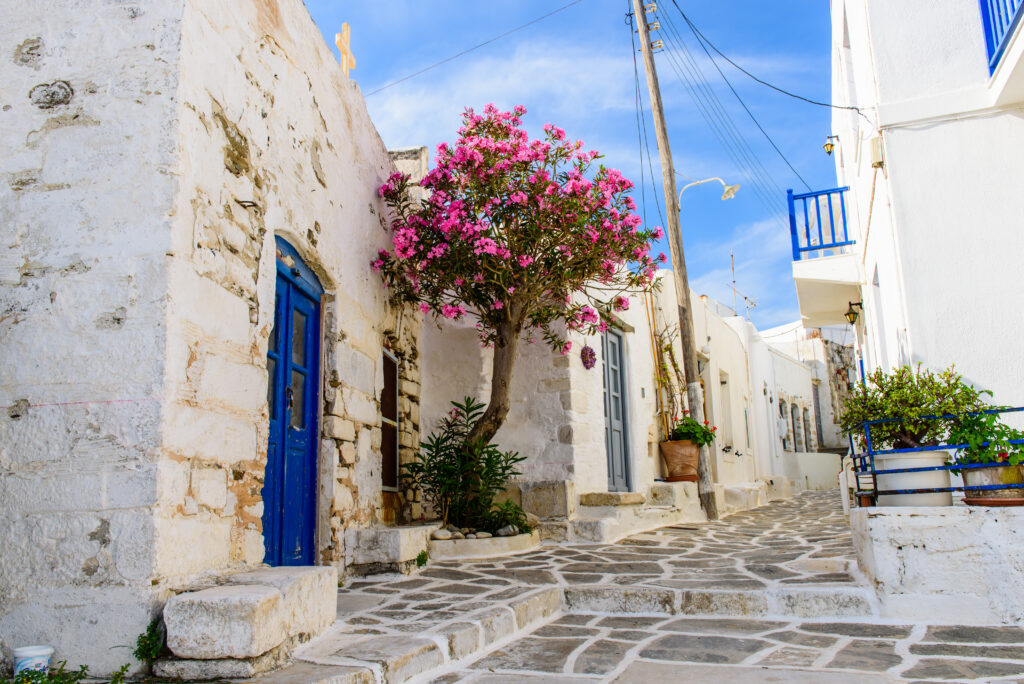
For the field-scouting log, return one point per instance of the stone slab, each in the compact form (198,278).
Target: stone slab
(612,499)
(453,549)
(309,595)
(240,621)
(645,673)
(386,545)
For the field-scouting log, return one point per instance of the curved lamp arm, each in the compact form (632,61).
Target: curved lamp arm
(728,191)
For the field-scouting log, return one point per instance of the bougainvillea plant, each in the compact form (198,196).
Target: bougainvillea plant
(522,235)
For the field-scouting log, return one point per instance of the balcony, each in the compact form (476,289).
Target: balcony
(825,267)
(1000,18)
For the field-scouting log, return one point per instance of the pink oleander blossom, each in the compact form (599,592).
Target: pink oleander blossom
(515,233)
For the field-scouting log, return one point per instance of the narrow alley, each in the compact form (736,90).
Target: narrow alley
(772,591)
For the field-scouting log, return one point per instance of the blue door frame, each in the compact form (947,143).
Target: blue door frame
(616,420)
(293,389)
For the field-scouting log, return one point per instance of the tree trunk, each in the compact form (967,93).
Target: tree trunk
(506,349)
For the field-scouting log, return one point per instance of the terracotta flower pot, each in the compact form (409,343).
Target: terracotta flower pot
(992,476)
(680,460)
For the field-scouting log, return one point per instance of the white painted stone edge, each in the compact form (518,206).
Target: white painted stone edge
(454,549)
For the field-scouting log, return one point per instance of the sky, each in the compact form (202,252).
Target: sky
(576,69)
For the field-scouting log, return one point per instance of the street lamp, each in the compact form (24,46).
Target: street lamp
(728,191)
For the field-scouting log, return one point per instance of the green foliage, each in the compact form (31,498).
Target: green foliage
(987,439)
(508,513)
(57,675)
(421,558)
(60,675)
(150,644)
(690,429)
(459,478)
(908,396)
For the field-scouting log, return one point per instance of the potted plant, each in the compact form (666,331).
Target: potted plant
(910,401)
(682,448)
(988,440)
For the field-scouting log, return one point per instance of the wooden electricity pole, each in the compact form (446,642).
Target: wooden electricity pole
(705,484)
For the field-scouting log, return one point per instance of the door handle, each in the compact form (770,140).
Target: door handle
(290,396)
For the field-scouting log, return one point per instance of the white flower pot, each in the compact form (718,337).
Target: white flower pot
(923,480)
(32,658)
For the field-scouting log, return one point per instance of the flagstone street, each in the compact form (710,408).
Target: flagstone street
(765,595)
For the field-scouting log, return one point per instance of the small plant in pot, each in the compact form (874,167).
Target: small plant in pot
(988,441)
(908,399)
(461,478)
(682,448)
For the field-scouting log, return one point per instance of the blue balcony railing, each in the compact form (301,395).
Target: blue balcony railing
(866,468)
(1001,18)
(817,223)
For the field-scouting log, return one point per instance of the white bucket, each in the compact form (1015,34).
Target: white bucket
(923,480)
(32,658)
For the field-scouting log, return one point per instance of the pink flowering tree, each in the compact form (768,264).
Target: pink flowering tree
(521,235)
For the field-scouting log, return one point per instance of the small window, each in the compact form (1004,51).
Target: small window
(389,424)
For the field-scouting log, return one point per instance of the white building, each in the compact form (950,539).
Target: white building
(923,249)
(593,469)
(933,163)
(188,211)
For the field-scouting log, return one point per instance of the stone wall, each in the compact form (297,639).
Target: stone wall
(88,101)
(150,154)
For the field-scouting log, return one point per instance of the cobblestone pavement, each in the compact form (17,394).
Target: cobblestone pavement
(768,595)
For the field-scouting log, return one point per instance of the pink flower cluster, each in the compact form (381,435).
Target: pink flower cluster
(514,220)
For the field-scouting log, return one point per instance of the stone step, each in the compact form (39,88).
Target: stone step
(804,601)
(248,624)
(349,654)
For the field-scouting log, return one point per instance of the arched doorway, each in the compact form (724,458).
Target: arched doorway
(293,369)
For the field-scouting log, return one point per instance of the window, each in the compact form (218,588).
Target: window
(389,424)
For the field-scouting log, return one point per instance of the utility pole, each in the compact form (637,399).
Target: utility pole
(705,484)
(732,263)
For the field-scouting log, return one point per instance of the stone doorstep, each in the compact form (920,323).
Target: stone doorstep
(386,545)
(399,657)
(612,499)
(250,616)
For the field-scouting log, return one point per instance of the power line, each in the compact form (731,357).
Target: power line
(702,37)
(475,47)
(642,125)
(718,121)
(753,118)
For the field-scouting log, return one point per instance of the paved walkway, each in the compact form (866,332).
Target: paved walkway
(768,595)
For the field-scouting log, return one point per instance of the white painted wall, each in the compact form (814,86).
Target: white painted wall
(944,233)
(137,221)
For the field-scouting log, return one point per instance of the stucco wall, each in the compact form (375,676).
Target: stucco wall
(84,230)
(943,236)
(275,141)
(138,220)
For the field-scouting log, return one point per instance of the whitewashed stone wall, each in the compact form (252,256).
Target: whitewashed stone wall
(150,153)
(85,225)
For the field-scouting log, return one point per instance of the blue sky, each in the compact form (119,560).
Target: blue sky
(576,69)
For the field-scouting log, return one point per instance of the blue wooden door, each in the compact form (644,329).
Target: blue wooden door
(293,369)
(616,441)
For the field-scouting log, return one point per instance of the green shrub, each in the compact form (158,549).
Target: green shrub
(909,396)
(508,513)
(461,479)
(54,675)
(421,558)
(150,644)
(987,439)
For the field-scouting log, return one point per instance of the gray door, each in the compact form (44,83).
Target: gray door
(616,442)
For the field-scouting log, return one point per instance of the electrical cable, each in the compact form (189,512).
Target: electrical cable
(776,88)
(753,118)
(728,124)
(642,122)
(475,47)
(716,119)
